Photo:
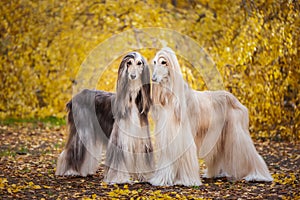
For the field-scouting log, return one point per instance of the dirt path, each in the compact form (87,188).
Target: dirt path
(28,160)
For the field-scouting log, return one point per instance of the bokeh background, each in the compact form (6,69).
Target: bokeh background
(255,45)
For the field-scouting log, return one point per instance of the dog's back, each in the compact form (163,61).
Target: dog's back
(96,102)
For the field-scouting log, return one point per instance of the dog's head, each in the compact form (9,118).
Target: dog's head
(134,75)
(167,79)
(133,67)
(165,64)
(161,69)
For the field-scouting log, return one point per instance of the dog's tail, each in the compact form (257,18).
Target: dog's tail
(83,150)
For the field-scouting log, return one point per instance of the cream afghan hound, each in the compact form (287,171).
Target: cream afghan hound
(177,162)
(216,120)
(118,121)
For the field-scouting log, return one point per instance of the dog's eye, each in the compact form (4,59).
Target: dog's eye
(139,63)
(129,63)
(154,62)
(163,62)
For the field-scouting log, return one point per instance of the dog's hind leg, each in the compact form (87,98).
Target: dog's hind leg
(241,160)
(213,165)
(83,150)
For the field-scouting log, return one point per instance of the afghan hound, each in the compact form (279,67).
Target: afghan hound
(177,162)
(129,151)
(92,128)
(217,121)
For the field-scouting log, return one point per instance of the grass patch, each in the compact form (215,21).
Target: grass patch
(48,121)
(23,151)
(7,152)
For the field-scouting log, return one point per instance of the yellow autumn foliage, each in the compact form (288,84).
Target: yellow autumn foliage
(255,45)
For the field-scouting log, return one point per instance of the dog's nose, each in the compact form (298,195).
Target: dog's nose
(132,76)
(154,78)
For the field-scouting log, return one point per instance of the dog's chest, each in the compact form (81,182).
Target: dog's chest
(131,125)
(134,118)
(135,87)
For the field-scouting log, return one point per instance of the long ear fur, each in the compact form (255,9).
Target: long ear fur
(177,82)
(146,96)
(119,107)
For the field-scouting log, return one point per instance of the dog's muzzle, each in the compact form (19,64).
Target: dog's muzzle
(154,78)
(132,76)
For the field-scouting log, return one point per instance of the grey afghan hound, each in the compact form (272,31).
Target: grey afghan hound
(116,121)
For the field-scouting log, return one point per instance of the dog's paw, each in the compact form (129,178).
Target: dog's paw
(72,172)
(160,181)
(116,177)
(258,178)
(188,183)
(119,182)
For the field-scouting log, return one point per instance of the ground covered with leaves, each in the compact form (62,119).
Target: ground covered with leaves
(29,153)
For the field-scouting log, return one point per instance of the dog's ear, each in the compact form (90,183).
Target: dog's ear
(119,107)
(122,67)
(146,88)
(177,83)
(146,75)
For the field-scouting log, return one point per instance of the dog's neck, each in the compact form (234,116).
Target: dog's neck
(161,94)
(134,88)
